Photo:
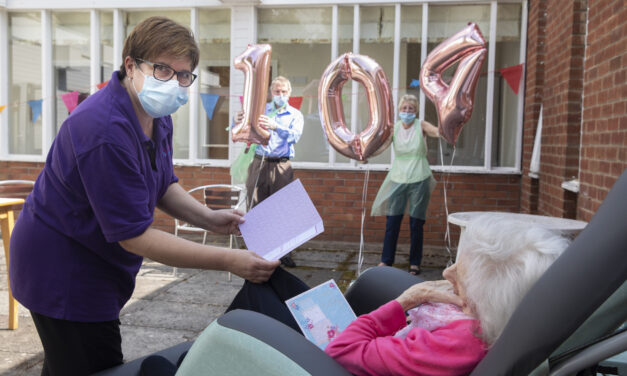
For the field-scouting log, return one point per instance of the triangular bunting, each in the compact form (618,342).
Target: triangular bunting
(414,83)
(512,75)
(209,102)
(102,84)
(241,99)
(35,109)
(295,102)
(71,100)
(2,108)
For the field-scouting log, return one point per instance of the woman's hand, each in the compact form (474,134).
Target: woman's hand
(429,291)
(251,266)
(225,221)
(267,123)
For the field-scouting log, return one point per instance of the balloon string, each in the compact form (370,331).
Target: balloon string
(263,158)
(447,234)
(360,257)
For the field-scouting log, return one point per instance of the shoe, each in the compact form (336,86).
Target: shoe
(414,270)
(287,261)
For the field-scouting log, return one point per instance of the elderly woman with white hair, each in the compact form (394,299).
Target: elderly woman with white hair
(454,322)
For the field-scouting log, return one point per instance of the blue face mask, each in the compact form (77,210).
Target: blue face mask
(161,98)
(280,100)
(407,117)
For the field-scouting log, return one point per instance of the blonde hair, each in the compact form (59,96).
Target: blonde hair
(156,36)
(282,80)
(408,98)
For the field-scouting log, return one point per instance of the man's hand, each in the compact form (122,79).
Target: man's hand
(429,291)
(251,266)
(239,117)
(267,123)
(225,221)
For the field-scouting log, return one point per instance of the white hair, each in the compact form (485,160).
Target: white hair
(503,258)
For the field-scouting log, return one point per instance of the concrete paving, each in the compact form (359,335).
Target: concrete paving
(167,309)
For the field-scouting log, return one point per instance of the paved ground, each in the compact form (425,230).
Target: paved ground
(165,309)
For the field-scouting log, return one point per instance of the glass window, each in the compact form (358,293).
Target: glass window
(214,38)
(411,36)
(505,115)
(25,85)
(180,118)
(444,21)
(345,22)
(70,59)
(106,46)
(301,51)
(377,42)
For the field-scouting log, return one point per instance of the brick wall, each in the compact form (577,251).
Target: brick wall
(337,195)
(604,125)
(563,77)
(578,74)
(534,87)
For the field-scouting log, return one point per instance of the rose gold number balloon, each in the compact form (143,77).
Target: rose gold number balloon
(376,137)
(454,102)
(255,63)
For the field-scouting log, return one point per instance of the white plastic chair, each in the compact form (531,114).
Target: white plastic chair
(215,196)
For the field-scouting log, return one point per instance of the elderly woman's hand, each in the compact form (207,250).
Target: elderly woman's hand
(429,291)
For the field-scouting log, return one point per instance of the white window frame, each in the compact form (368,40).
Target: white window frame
(46,9)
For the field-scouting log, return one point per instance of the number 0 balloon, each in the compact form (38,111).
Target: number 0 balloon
(255,63)
(454,102)
(376,137)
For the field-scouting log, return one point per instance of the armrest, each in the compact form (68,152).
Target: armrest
(592,355)
(132,368)
(245,342)
(377,286)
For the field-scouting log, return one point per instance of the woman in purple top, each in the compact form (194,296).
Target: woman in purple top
(79,242)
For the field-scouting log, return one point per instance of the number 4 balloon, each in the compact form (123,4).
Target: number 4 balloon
(454,101)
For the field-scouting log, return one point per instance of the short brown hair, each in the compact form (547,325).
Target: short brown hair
(156,36)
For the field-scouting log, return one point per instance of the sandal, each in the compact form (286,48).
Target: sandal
(414,270)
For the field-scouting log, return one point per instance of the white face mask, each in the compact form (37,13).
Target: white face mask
(161,98)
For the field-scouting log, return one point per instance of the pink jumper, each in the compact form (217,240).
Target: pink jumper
(368,346)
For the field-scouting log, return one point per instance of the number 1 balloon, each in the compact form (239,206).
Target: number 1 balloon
(255,63)
(376,137)
(454,101)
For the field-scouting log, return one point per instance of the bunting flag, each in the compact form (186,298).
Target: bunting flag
(209,102)
(2,108)
(71,100)
(102,84)
(35,109)
(241,100)
(414,83)
(512,75)
(295,102)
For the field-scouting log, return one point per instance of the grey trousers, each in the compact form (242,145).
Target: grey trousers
(269,176)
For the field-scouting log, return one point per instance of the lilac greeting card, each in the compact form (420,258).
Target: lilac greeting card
(281,222)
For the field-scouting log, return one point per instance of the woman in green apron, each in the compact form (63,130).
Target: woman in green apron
(407,187)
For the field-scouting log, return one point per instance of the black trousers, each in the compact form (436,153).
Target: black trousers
(78,348)
(269,297)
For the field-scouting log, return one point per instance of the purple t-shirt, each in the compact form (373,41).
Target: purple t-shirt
(101,182)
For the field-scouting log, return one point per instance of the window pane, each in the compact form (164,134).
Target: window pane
(25,76)
(106,46)
(444,21)
(70,56)
(301,51)
(505,116)
(411,36)
(180,118)
(377,42)
(214,38)
(345,44)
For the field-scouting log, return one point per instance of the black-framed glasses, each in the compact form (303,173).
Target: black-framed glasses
(163,72)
